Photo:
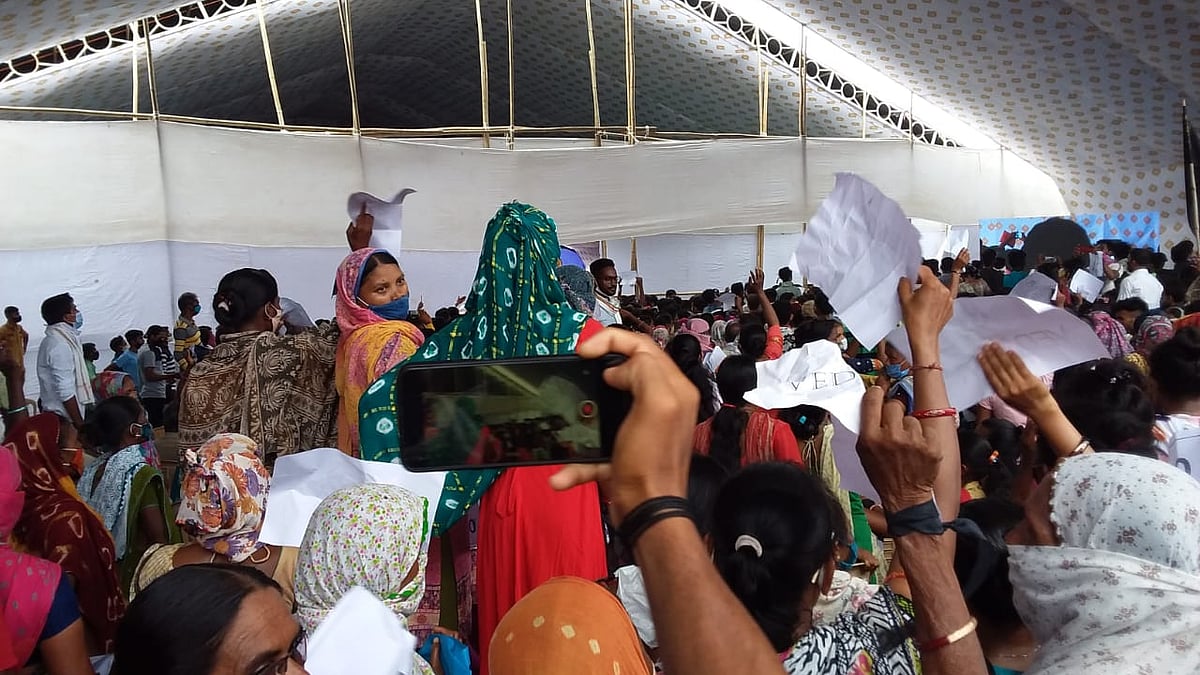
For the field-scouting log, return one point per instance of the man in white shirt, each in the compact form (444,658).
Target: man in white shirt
(62,376)
(1141,283)
(608,303)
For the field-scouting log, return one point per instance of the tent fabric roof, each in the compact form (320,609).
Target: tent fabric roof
(1086,90)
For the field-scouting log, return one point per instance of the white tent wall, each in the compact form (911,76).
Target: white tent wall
(127,215)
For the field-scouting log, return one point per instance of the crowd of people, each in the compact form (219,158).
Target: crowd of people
(1053,527)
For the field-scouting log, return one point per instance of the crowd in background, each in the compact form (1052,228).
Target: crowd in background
(1052,527)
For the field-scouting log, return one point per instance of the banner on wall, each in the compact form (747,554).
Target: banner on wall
(1138,228)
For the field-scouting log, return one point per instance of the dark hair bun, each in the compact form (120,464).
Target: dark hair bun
(241,295)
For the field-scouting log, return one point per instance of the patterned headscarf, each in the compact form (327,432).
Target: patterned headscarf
(567,625)
(1111,334)
(1153,330)
(699,329)
(368,347)
(110,383)
(718,333)
(579,286)
(516,308)
(368,535)
(225,496)
(1122,592)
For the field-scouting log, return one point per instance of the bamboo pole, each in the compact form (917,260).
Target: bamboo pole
(591,32)
(512,87)
(266,43)
(348,45)
(483,76)
(133,51)
(154,111)
(762,85)
(630,87)
(803,81)
(760,237)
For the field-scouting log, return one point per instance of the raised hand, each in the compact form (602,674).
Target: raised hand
(358,234)
(899,462)
(1013,382)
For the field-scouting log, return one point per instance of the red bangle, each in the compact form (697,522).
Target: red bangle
(938,643)
(934,413)
(933,366)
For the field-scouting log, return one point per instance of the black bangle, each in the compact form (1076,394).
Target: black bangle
(651,512)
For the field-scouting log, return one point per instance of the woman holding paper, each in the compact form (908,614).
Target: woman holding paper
(372,312)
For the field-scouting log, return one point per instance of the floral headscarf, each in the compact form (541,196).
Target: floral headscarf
(368,535)
(225,496)
(1122,592)
(1152,331)
(110,383)
(1111,334)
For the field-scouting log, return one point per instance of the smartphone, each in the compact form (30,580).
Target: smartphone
(504,413)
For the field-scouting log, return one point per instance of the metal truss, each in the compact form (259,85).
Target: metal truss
(822,77)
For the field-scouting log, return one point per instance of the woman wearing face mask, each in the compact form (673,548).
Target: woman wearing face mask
(121,486)
(277,389)
(372,312)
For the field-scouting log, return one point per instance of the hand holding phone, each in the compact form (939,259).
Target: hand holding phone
(654,444)
(504,413)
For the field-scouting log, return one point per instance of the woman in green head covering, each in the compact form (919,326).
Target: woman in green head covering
(516,308)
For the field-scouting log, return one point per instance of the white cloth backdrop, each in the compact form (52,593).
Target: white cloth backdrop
(128,215)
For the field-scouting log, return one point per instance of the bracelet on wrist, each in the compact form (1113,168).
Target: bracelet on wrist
(649,513)
(934,413)
(945,641)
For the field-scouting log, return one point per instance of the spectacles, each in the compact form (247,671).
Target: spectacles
(298,652)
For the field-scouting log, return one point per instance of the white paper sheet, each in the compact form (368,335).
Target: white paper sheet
(815,374)
(1046,337)
(388,217)
(1086,285)
(360,635)
(856,248)
(956,240)
(1037,287)
(302,480)
(631,591)
(854,476)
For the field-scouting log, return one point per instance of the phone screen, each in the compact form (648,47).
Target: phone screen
(476,414)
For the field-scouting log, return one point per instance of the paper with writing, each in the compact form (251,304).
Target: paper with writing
(302,480)
(388,230)
(360,635)
(856,248)
(815,374)
(1087,286)
(1045,337)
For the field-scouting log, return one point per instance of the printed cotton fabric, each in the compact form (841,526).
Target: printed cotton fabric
(225,496)
(374,536)
(1122,592)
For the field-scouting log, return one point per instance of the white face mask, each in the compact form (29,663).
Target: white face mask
(843,344)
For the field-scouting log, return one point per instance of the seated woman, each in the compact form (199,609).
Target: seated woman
(372,313)
(374,536)
(567,625)
(225,487)
(984,474)
(121,486)
(41,612)
(110,383)
(740,433)
(1127,529)
(276,389)
(774,530)
(57,525)
(208,619)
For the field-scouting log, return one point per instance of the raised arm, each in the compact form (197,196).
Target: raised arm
(650,460)
(1023,390)
(755,285)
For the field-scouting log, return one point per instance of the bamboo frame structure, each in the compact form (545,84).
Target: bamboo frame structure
(512,86)
(483,76)
(348,45)
(266,43)
(145,31)
(630,86)
(803,73)
(134,60)
(591,33)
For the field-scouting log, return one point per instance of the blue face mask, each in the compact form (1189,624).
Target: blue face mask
(78,320)
(196,309)
(894,371)
(396,310)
